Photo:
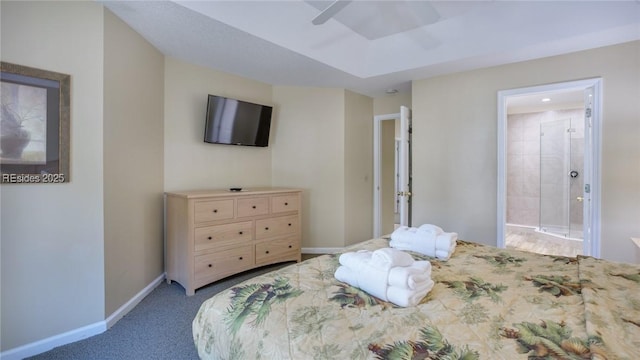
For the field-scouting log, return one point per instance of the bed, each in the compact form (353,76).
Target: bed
(487,303)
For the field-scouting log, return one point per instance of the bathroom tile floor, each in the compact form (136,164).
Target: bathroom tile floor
(529,240)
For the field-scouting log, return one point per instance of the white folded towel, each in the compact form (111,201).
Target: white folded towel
(367,278)
(388,274)
(373,279)
(410,277)
(397,295)
(446,241)
(432,228)
(389,257)
(346,275)
(353,259)
(410,234)
(446,245)
(405,297)
(428,239)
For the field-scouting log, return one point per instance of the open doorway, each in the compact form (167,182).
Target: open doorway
(392,169)
(548,168)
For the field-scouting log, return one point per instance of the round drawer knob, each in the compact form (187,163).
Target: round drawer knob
(240,232)
(286,204)
(254,206)
(289,224)
(290,246)
(240,258)
(209,238)
(215,210)
(266,252)
(266,228)
(210,265)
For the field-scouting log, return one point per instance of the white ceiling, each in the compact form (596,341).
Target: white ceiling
(371,46)
(537,102)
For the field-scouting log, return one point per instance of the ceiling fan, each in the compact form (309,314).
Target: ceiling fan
(330,11)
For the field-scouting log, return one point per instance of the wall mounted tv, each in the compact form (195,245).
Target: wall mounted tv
(235,122)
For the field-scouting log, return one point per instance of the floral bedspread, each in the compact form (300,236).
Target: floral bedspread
(488,303)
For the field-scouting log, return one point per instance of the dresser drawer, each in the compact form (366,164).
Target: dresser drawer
(277,226)
(214,266)
(253,206)
(283,203)
(213,210)
(276,250)
(212,236)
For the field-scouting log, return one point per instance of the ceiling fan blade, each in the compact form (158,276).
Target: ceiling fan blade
(330,11)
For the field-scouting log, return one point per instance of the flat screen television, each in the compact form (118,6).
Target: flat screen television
(235,122)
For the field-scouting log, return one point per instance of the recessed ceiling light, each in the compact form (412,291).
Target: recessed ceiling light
(391,91)
(546,100)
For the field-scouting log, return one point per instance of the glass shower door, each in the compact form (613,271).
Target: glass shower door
(561,164)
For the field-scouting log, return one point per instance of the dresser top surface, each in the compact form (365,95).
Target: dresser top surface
(193,194)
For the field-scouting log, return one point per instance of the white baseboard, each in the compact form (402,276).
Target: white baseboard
(84,332)
(129,305)
(49,343)
(321,250)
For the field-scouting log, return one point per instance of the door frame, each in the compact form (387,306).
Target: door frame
(591,242)
(377,196)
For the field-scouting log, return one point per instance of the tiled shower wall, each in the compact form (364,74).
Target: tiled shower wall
(523,162)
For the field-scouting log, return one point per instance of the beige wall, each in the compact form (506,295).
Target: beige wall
(358,168)
(308,152)
(323,143)
(52,235)
(390,104)
(133,162)
(189,162)
(455,143)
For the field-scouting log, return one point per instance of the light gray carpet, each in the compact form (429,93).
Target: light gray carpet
(157,328)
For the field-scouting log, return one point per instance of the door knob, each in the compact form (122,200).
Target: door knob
(402,193)
(579,198)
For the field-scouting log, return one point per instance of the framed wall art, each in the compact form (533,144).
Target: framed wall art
(34,125)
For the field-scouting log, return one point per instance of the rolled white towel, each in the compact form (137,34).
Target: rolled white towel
(399,230)
(423,247)
(354,258)
(408,237)
(412,237)
(346,275)
(390,257)
(397,295)
(371,279)
(405,297)
(446,241)
(427,236)
(431,228)
(403,234)
(443,255)
(410,277)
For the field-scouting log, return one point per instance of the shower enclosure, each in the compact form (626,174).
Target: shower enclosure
(561,177)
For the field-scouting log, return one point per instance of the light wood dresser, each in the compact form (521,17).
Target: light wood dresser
(212,234)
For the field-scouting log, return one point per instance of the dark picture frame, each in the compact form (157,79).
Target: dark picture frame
(34,125)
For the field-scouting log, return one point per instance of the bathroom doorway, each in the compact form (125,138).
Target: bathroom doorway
(392,171)
(545,170)
(548,193)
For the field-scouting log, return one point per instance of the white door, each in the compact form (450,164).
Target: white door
(403,190)
(404,193)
